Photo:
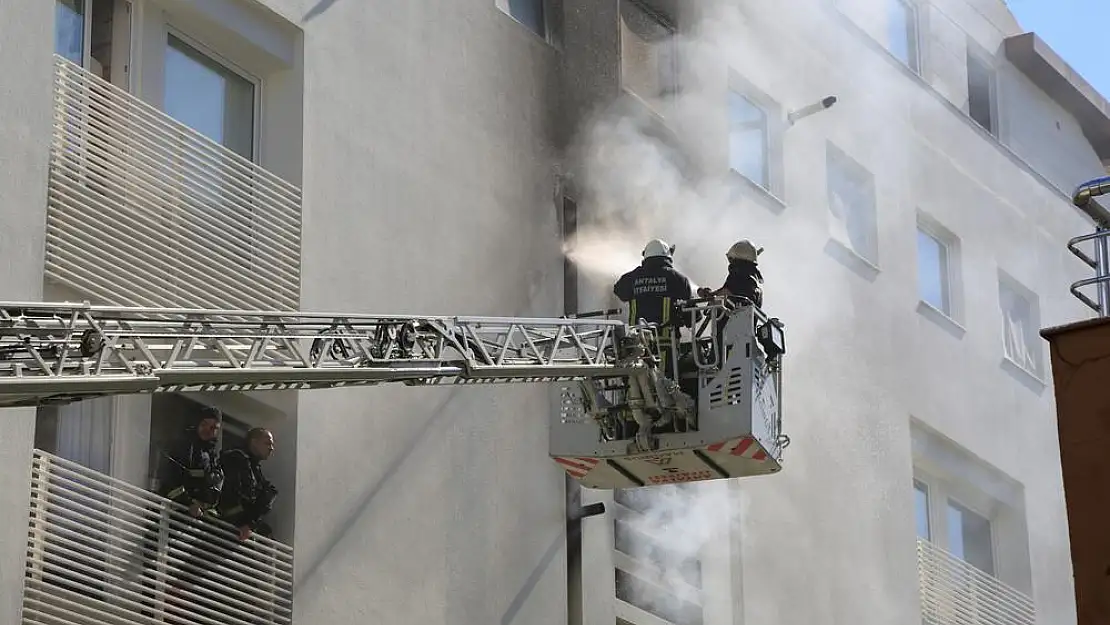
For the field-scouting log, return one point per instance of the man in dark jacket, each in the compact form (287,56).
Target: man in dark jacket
(653,292)
(190,472)
(247,495)
(744,278)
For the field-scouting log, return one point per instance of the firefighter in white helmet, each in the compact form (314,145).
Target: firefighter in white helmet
(744,278)
(653,292)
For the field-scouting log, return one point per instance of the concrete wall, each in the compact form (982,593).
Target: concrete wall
(428,184)
(1033,120)
(24,141)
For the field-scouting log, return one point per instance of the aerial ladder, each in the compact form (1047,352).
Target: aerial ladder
(622,422)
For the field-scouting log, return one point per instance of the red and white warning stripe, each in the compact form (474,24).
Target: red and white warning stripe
(578,467)
(745,448)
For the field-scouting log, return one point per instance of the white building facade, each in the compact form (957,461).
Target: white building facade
(436,158)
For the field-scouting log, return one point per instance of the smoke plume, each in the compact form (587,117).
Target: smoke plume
(638,181)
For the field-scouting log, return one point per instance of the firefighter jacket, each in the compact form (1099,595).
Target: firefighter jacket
(745,280)
(247,495)
(190,472)
(653,291)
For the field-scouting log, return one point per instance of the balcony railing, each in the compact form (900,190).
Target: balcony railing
(144,211)
(955,593)
(101,551)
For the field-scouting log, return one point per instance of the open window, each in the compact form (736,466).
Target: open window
(654,574)
(570,270)
(982,89)
(852,204)
(96,35)
(1021,321)
(649,59)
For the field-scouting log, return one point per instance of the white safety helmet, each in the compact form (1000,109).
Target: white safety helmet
(658,247)
(743,250)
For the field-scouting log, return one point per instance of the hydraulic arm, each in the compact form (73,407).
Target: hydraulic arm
(623,422)
(57,353)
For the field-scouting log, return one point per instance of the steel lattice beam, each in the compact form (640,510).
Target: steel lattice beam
(53,353)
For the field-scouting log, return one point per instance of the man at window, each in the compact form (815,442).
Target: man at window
(247,495)
(190,473)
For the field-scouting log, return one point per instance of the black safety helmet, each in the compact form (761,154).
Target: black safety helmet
(209,412)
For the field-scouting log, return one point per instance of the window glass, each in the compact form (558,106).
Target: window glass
(69,30)
(209,98)
(969,537)
(529,13)
(1018,328)
(903,32)
(921,509)
(932,271)
(747,139)
(852,203)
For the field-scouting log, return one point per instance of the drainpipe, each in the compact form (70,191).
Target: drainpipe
(575,513)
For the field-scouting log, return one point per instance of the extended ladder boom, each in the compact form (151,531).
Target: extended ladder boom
(57,353)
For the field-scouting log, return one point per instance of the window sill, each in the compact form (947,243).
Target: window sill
(766,196)
(1022,374)
(845,255)
(941,318)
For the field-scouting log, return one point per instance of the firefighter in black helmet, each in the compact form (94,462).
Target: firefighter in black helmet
(653,292)
(744,278)
(190,472)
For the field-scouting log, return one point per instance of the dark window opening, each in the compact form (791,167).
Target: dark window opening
(980,93)
(530,13)
(171,415)
(570,270)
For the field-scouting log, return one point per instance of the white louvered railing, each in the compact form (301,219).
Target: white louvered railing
(101,551)
(955,593)
(144,211)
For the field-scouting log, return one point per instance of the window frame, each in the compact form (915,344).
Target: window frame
(86,32)
(1030,326)
(927,490)
(942,271)
(773,133)
(976,54)
(765,132)
(850,167)
(944,491)
(669,92)
(913,30)
(172,30)
(953,286)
